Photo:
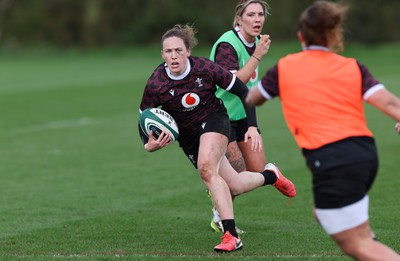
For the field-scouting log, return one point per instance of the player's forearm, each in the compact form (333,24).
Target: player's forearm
(245,73)
(386,102)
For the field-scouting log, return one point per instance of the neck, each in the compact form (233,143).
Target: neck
(247,40)
(179,76)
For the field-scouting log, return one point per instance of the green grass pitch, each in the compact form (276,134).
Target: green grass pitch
(76,183)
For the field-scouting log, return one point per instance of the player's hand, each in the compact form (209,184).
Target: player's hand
(397,126)
(157,143)
(255,138)
(262,46)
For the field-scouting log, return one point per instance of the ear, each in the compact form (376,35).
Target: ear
(237,20)
(301,39)
(162,54)
(189,52)
(300,36)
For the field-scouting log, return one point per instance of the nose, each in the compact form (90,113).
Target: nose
(174,54)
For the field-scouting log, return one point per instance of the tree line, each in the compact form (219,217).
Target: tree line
(90,23)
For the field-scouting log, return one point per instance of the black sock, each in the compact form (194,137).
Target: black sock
(269,176)
(229,225)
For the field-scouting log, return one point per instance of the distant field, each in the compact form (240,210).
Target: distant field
(76,183)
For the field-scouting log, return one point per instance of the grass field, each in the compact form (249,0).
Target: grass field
(76,183)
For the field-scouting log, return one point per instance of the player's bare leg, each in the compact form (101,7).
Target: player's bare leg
(359,243)
(211,150)
(254,160)
(236,159)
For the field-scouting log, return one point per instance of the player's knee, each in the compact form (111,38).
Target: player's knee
(205,169)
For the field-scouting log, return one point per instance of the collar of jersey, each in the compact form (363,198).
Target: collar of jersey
(316,47)
(179,77)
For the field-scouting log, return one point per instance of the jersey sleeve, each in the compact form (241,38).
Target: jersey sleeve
(222,77)
(150,99)
(369,83)
(269,83)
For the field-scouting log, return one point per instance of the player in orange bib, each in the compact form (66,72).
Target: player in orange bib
(322,95)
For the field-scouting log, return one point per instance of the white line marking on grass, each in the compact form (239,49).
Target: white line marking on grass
(235,256)
(52,125)
(59,124)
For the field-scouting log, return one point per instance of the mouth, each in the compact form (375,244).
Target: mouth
(174,65)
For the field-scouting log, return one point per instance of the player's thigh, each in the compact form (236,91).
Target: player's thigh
(352,238)
(254,160)
(211,150)
(214,138)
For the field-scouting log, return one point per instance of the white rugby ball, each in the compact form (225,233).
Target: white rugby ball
(157,120)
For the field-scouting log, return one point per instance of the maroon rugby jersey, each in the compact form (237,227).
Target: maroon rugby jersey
(188,98)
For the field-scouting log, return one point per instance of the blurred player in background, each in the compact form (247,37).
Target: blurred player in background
(185,86)
(322,96)
(240,51)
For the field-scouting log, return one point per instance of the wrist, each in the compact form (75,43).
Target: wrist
(257,58)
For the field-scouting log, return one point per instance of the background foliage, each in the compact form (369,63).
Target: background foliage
(88,23)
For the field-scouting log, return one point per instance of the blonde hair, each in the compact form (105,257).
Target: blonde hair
(185,32)
(321,24)
(243,4)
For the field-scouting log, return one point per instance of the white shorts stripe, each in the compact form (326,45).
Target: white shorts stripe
(340,219)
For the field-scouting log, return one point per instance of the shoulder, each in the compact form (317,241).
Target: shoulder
(229,38)
(227,35)
(201,64)
(158,77)
(159,70)
(226,47)
(293,56)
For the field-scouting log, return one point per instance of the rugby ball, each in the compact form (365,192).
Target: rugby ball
(157,120)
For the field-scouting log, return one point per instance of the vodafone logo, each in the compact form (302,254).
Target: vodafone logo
(254,76)
(190,100)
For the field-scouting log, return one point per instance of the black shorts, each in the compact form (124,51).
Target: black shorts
(216,122)
(239,129)
(343,171)
(343,185)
